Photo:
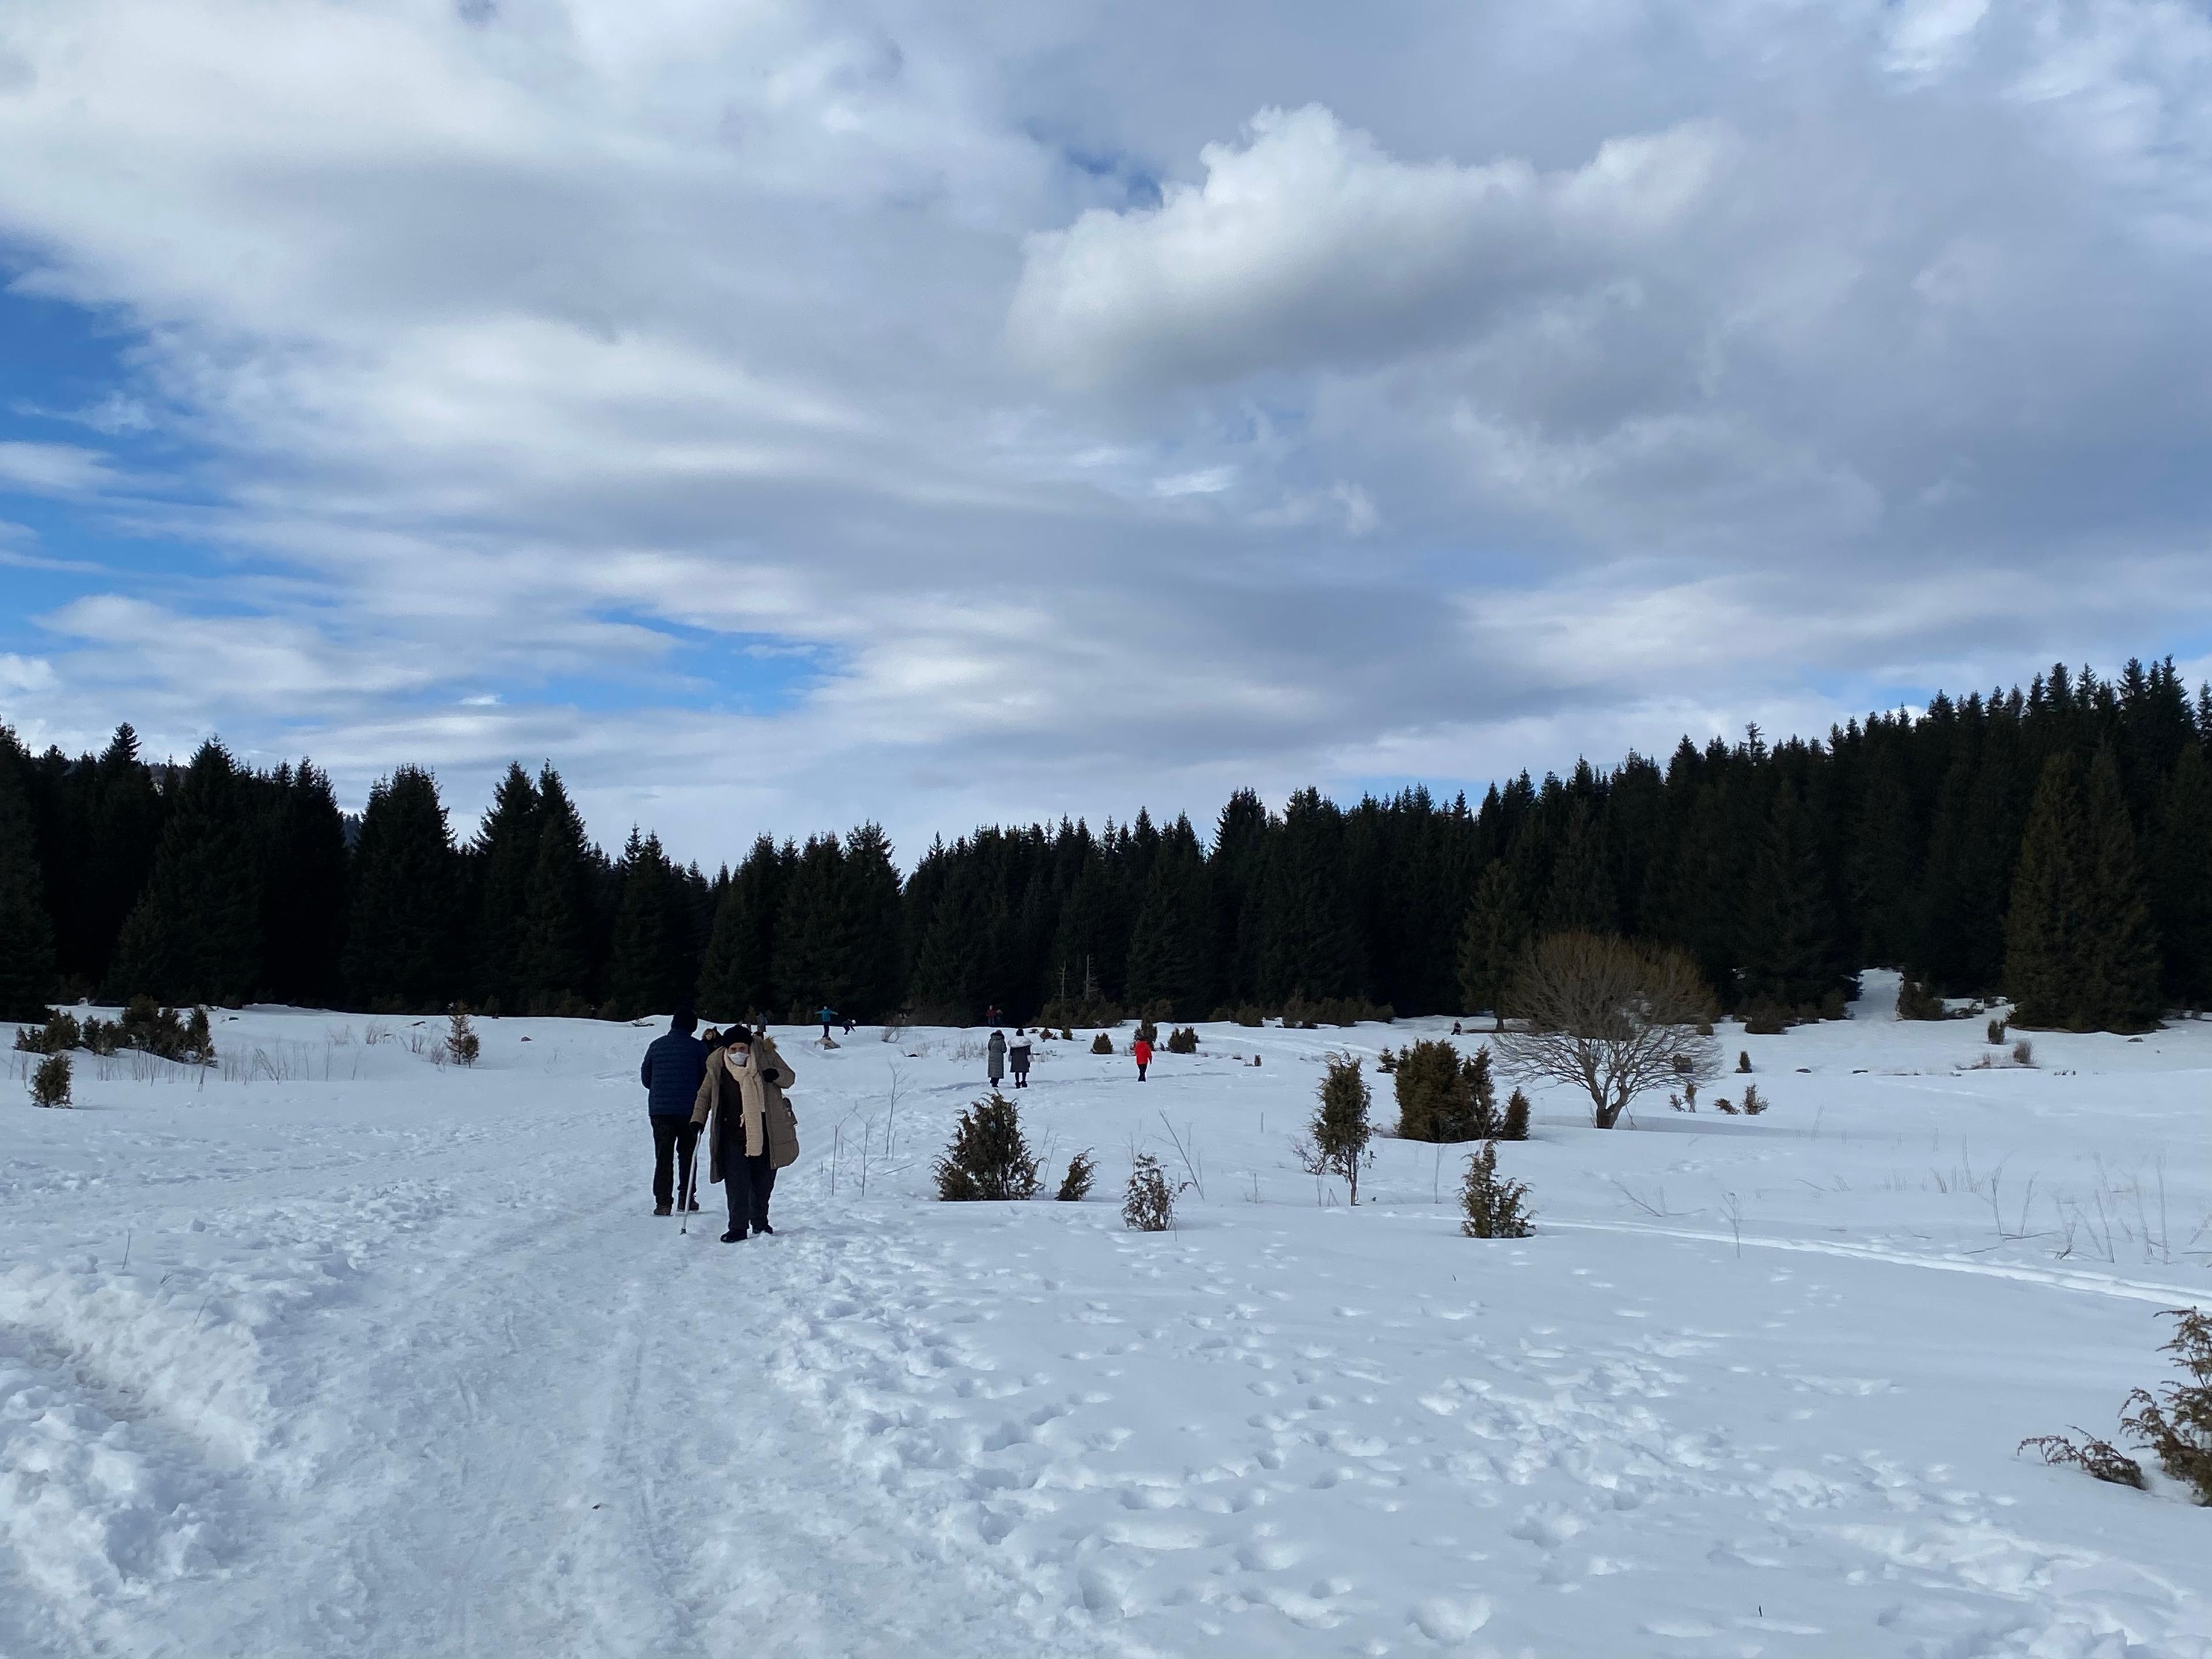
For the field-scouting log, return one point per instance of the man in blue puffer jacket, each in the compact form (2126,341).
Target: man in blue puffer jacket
(674,1064)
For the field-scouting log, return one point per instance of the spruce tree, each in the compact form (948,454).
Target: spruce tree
(2118,979)
(503,855)
(2182,881)
(27,942)
(1884,870)
(1308,943)
(809,965)
(737,977)
(872,927)
(304,907)
(1167,962)
(1580,895)
(1491,940)
(2044,928)
(554,969)
(195,934)
(1790,922)
(651,971)
(402,941)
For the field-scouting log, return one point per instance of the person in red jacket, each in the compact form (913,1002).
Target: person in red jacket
(1142,1051)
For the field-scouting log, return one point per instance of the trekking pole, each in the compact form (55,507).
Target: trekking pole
(683,1190)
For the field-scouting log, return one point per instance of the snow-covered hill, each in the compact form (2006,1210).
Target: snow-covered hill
(330,1350)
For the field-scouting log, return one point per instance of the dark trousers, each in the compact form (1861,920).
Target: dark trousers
(674,1137)
(1021,1077)
(747,1182)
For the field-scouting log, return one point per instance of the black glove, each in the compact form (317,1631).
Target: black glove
(769,1074)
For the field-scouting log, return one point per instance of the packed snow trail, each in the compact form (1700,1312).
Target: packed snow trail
(399,1363)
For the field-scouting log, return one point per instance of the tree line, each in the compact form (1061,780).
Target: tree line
(2054,844)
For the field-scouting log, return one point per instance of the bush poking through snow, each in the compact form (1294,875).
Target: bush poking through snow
(1075,1185)
(1184,1040)
(2175,1425)
(2100,1459)
(1754,1101)
(1742,1060)
(50,1082)
(1102,1044)
(1149,1204)
(2023,1053)
(1516,1127)
(1492,1206)
(59,1035)
(462,1044)
(1337,1137)
(1996,1031)
(988,1159)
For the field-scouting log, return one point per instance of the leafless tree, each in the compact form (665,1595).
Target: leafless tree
(1610,1016)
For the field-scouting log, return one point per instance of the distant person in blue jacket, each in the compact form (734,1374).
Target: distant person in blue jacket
(675,1063)
(828,1016)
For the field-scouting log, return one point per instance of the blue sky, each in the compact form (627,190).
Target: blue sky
(781,416)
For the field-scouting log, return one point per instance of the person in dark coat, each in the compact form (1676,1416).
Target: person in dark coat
(994,1057)
(674,1063)
(1017,1056)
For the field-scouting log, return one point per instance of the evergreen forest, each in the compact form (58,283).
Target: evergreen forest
(2053,845)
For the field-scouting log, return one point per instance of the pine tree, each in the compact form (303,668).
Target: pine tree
(737,977)
(2182,881)
(1884,870)
(27,943)
(651,971)
(1790,922)
(304,907)
(1580,895)
(2044,928)
(2117,979)
(503,855)
(402,950)
(1167,959)
(1490,941)
(1310,946)
(808,965)
(871,928)
(195,934)
(554,971)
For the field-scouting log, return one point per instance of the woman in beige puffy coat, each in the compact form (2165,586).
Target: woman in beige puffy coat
(751,1131)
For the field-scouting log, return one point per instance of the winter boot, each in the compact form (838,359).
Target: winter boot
(734,1238)
(664,1209)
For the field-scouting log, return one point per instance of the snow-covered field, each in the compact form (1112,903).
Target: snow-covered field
(331,1351)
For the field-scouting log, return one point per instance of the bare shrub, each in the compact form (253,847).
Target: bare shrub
(988,1159)
(1491,1205)
(2023,1053)
(50,1083)
(2100,1459)
(1148,1206)
(2176,1422)
(1754,1101)
(1610,1016)
(1075,1185)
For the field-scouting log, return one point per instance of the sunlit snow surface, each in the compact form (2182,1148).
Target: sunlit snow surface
(400,1363)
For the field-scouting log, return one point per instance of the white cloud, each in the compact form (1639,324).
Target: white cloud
(1309,242)
(53,468)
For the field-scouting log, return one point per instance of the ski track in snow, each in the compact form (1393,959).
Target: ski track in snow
(399,1366)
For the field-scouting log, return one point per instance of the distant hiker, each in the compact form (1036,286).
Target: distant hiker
(1017,1056)
(751,1131)
(674,1064)
(828,1016)
(1456,1030)
(994,1057)
(1141,1051)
